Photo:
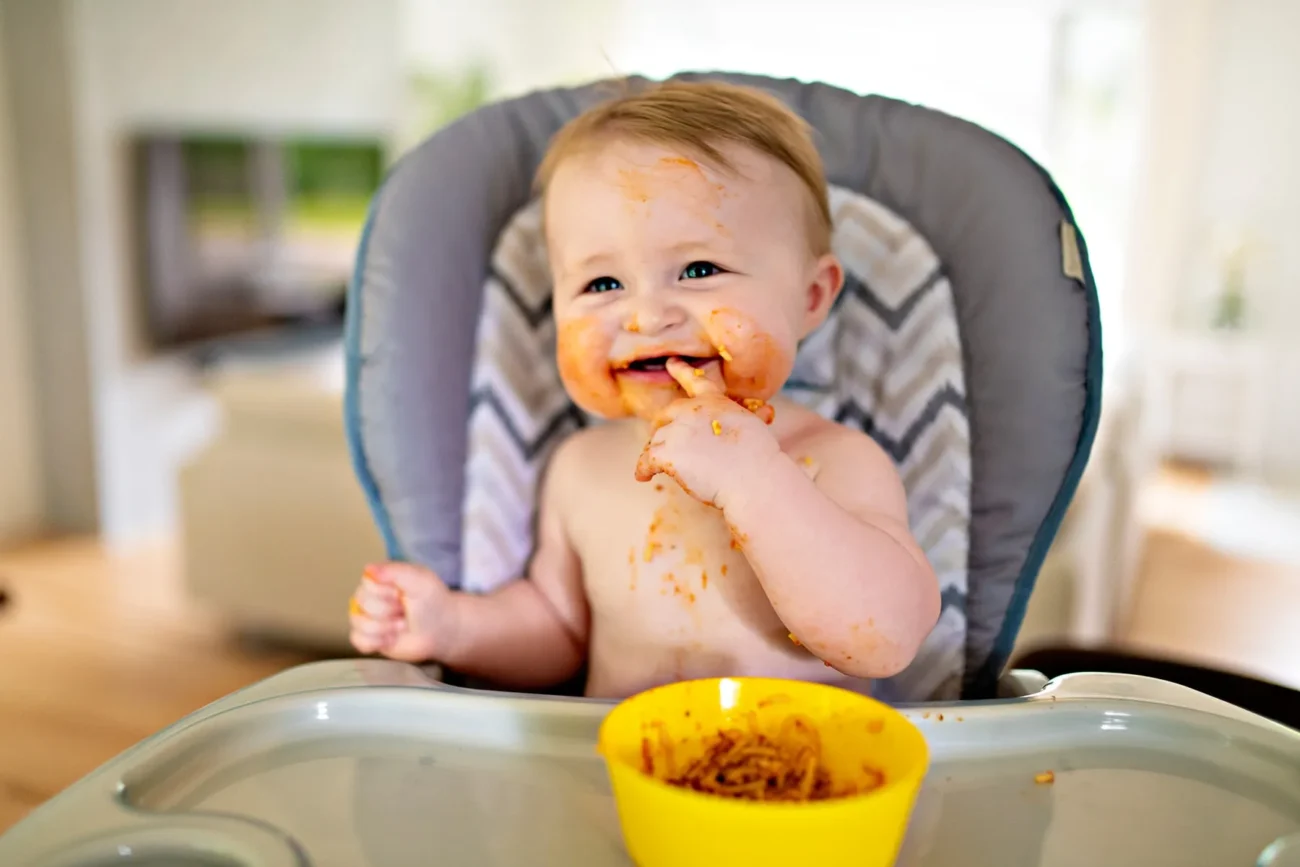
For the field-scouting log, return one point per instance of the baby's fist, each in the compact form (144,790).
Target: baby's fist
(402,611)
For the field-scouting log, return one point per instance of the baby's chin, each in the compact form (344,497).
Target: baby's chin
(645,402)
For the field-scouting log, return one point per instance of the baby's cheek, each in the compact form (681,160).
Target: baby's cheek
(756,362)
(582,354)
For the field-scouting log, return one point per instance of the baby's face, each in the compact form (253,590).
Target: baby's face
(656,254)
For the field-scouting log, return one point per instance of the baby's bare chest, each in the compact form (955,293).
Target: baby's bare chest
(658,564)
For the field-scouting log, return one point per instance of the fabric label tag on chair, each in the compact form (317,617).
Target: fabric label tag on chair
(1071,261)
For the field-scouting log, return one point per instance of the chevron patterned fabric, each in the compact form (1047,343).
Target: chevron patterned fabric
(888,360)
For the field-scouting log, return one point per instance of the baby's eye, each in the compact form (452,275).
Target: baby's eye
(699,270)
(603,284)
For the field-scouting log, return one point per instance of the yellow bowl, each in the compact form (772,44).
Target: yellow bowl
(669,826)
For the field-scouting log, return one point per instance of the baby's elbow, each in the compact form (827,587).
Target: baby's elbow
(874,667)
(931,606)
(887,652)
(876,658)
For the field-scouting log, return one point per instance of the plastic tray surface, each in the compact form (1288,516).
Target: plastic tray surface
(363,763)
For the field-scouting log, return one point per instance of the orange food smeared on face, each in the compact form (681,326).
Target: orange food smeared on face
(635,185)
(582,354)
(685,176)
(717,428)
(755,363)
(583,357)
(676,177)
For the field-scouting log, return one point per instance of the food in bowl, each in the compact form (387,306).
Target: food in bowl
(661,746)
(748,764)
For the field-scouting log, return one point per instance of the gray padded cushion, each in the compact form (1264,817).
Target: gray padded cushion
(987,210)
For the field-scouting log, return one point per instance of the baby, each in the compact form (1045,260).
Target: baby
(709,528)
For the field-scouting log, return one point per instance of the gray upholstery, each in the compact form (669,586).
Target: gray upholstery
(1029,332)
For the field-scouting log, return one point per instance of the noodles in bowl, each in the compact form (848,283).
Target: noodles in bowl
(747,764)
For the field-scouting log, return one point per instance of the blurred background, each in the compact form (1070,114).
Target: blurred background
(183,183)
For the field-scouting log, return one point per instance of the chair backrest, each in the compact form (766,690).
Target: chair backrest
(1009,269)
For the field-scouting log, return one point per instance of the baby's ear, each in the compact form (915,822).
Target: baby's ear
(823,288)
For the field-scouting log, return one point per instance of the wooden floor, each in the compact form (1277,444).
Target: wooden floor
(1196,605)
(98,651)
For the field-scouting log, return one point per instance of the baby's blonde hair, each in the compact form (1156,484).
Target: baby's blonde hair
(698,117)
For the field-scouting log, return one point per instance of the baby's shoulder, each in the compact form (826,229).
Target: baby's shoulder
(588,453)
(838,448)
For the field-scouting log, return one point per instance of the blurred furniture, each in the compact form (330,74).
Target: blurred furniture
(1209,394)
(274,527)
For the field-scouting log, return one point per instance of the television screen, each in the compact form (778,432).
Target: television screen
(242,234)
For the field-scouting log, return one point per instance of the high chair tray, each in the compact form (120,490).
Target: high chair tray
(370,764)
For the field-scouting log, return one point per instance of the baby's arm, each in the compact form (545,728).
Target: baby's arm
(836,557)
(530,633)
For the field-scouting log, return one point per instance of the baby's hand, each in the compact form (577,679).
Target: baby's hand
(403,612)
(706,441)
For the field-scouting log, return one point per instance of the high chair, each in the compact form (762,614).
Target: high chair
(967,342)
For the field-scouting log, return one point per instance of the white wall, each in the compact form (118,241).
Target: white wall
(1252,180)
(289,65)
(45,182)
(21,501)
(1223,156)
(988,62)
(526,44)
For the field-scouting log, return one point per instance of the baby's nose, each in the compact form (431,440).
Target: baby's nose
(654,315)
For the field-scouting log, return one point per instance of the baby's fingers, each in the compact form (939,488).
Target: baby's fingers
(376,601)
(691,379)
(373,636)
(648,464)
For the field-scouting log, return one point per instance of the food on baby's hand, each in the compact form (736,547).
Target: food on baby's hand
(746,764)
(760,408)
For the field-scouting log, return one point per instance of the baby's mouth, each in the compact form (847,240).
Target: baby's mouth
(658,363)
